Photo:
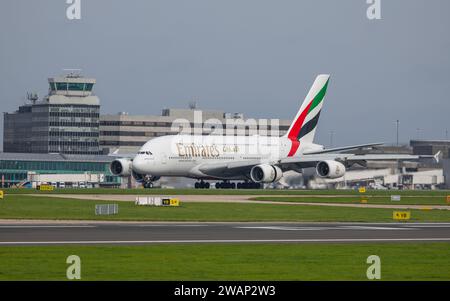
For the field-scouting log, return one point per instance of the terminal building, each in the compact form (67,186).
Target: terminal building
(65,121)
(127,133)
(18,169)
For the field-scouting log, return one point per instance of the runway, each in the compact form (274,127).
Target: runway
(160,233)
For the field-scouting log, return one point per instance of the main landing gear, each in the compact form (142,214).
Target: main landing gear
(240,185)
(202,185)
(249,185)
(225,185)
(229,185)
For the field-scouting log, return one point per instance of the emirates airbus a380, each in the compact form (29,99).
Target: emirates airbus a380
(253,160)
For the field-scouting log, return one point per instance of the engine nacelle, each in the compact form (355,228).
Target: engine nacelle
(330,169)
(121,167)
(265,173)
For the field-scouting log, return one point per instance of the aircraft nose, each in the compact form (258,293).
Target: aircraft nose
(139,165)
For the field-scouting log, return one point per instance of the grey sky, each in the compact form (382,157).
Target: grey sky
(253,56)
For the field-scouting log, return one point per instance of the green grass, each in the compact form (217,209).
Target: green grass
(405,200)
(407,261)
(36,207)
(229,191)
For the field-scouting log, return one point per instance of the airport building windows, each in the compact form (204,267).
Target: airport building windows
(88,87)
(61,86)
(15,171)
(76,86)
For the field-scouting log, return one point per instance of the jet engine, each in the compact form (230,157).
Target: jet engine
(121,167)
(330,169)
(265,173)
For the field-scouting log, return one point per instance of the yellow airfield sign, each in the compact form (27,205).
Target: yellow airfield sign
(401,215)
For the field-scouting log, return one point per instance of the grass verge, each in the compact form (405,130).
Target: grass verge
(36,207)
(382,200)
(408,261)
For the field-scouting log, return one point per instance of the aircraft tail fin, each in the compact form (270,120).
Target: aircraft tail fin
(304,125)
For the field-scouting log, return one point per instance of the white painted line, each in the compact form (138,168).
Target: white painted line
(32,227)
(221,241)
(375,228)
(172,225)
(428,226)
(287,228)
(282,228)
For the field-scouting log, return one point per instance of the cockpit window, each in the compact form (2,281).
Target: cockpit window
(145,153)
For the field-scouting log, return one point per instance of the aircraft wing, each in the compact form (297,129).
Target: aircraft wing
(305,161)
(348,159)
(338,149)
(228,169)
(116,154)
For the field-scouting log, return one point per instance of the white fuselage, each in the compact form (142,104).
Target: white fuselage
(183,155)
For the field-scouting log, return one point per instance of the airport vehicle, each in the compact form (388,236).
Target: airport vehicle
(251,159)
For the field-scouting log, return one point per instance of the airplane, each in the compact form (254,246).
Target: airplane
(253,160)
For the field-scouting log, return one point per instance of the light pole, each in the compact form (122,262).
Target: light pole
(397,122)
(331,138)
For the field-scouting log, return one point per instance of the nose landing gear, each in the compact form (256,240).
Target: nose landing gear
(147,184)
(148,180)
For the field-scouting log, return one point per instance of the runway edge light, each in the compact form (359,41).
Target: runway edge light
(1,194)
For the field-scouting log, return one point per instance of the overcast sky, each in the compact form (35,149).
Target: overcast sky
(258,57)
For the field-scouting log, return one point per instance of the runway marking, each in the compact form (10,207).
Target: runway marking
(221,241)
(172,225)
(375,228)
(428,226)
(40,226)
(283,228)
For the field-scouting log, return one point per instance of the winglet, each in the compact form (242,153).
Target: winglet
(436,156)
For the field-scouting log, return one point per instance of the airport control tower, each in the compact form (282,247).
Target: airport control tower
(64,121)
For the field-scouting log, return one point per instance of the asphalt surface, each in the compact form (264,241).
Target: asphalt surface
(148,233)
